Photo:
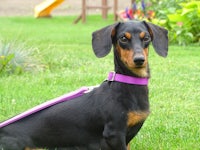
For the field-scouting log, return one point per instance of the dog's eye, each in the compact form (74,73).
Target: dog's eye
(146,39)
(123,39)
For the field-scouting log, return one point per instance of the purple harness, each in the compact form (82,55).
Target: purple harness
(112,76)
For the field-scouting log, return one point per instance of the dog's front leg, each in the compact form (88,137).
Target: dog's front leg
(113,138)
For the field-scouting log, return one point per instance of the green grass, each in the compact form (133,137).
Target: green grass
(174,123)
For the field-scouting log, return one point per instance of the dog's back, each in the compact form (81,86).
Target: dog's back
(77,123)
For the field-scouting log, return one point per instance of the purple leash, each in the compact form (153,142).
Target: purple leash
(45,105)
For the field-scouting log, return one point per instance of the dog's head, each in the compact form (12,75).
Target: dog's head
(131,41)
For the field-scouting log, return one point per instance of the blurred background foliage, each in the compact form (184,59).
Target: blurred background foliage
(180,17)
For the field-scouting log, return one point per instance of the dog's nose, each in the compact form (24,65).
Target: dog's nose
(139,60)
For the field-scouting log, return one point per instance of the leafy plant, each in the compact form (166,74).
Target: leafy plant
(185,22)
(182,18)
(17,58)
(164,7)
(4,60)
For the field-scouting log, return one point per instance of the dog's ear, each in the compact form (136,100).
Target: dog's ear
(159,37)
(102,40)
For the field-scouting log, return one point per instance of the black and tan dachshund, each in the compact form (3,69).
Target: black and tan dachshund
(109,116)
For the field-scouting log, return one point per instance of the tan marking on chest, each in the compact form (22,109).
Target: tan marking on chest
(136,117)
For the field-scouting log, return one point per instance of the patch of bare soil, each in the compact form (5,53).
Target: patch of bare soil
(68,7)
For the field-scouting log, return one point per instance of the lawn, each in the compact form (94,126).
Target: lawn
(65,51)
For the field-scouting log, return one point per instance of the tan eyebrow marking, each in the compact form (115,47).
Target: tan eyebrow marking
(128,35)
(142,34)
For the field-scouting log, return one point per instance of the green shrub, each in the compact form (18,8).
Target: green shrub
(184,23)
(181,18)
(164,7)
(17,58)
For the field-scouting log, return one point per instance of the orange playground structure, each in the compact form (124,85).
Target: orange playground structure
(44,9)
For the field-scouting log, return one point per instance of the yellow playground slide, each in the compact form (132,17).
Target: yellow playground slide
(44,9)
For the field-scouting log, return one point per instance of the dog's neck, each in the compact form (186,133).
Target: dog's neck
(122,69)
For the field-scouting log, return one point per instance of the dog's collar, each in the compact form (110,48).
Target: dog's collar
(113,76)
